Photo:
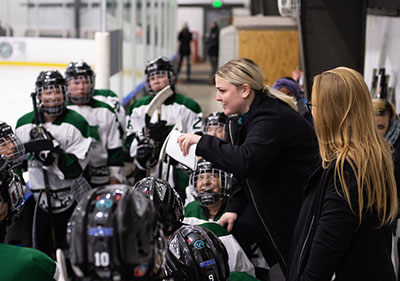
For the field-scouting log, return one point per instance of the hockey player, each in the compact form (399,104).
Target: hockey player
(166,201)
(106,157)
(61,141)
(17,263)
(159,74)
(196,254)
(114,235)
(111,98)
(209,187)
(215,125)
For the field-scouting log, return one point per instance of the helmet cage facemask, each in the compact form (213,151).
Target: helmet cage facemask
(217,127)
(149,76)
(47,107)
(88,95)
(13,195)
(13,149)
(206,194)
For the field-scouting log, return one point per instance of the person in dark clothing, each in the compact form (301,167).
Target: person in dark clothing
(184,37)
(213,46)
(270,151)
(388,125)
(291,88)
(344,227)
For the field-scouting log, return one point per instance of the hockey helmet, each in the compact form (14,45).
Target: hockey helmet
(80,78)
(113,233)
(51,83)
(196,254)
(11,146)
(166,200)
(160,65)
(215,124)
(209,185)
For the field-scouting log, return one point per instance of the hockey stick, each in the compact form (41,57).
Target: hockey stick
(156,103)
(45,175)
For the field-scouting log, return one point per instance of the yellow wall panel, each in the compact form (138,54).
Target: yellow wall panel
(275,51)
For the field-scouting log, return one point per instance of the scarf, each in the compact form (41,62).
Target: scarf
(393,132)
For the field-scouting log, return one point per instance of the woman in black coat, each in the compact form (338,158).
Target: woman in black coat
(344,227)
(270,151)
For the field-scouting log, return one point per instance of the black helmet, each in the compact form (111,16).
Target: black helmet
(209,185)
(215,124)
(168,204)
(54,81)
(156,66)
(11,192)
(11,146)
(113,232)
(80,71)
(196,254)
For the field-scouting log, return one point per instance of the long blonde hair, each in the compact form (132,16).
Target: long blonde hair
(346,131)
(241,71)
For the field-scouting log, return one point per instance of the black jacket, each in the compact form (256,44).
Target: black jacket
(271,154)
(330,239)
(184,37)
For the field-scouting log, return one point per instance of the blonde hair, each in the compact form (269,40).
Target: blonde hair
(346,131)
(241,71)
(382,107)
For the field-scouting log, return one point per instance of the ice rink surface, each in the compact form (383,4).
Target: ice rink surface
(16,85)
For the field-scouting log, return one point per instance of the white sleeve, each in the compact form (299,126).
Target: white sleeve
(238,260)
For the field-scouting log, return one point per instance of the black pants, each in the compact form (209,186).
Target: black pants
(248,230)
(44,233)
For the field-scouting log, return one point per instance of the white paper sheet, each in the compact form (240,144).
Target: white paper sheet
(173,150)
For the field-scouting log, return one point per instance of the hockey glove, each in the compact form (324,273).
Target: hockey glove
(159,131)
(47,147)
(146,153)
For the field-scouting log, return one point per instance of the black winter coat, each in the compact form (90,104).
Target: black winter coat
(272,155)
(184,37)
(330,239)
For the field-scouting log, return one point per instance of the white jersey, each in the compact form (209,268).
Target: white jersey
(106,156)
(112,100)
(178,107)
(71,131)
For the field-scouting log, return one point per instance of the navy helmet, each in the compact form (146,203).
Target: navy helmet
(113,233)
(166,200)
(196,254)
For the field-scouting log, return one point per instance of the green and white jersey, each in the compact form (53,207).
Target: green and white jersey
(178,107)
(72,132)
(112,100)
(20,263)
(238,261)
(106,156)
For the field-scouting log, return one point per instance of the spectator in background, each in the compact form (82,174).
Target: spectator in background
(184,37)
(2,30)
(213,46)
(291,88)
(388,125)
